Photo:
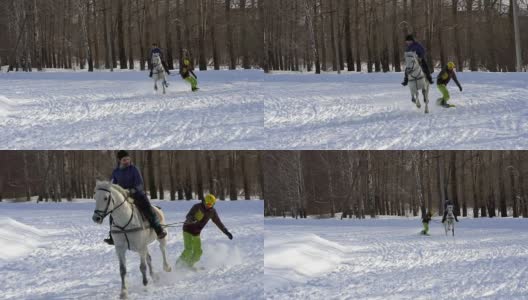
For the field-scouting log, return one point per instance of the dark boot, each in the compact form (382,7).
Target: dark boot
(425,69)
(160,231)
(429,78)
(152,217)
(150,75)
(405,80)
(109,240)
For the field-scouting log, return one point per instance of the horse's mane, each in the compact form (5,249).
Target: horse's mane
(108,185)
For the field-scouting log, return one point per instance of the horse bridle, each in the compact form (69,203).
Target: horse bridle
(105,213)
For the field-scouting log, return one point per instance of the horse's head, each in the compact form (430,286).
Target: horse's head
(156,59)
(104,203)
(411,61)
(450,209)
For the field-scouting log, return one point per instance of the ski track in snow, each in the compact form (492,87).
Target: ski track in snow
(103,110)
(388,259)
(373,111)
(70,261)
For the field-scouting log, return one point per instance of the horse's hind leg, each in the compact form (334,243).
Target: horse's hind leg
(122,269)
(156,86)
(163,248)
(143,266)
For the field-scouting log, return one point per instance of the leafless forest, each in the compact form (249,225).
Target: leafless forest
(169,175)
(399,183)
(312,35)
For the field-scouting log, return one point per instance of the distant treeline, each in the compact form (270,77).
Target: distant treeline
(174,175)
(400,183)
(313,35)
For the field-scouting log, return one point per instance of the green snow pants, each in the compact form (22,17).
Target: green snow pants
(445,93)
(192,81)
(426,228)
(192,249)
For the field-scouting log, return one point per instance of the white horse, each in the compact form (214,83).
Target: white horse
(449,224)
(158,72)
(417,80)
(130,230)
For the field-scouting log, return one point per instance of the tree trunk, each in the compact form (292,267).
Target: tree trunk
(348,38)
(243,36)
(229,36)
(232,176)
(151,176)
(121,36)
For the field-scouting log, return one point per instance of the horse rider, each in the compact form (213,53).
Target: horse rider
(447,73)
(446,204)
(414,46)
(128,177)
(186,70)
(195,221)
(156,50)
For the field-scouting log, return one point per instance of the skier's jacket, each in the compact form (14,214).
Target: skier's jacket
(426,218)
(186,70)
(417,48)
(446,75)
(128,178)
(198,217)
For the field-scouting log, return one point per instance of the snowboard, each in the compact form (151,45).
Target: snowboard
(447,105)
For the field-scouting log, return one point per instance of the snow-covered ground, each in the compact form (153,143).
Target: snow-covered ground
(104,110)
(373,111)
(55,251)
(388,259)
(247,109)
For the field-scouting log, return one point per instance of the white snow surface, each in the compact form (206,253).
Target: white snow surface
(373,111)
(247,109)
(389,259)
(55,251)
(110,110)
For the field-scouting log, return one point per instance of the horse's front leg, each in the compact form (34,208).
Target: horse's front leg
(416,97)
(122,268)
(155,85)
(143,265)
(163,248)
(425,93)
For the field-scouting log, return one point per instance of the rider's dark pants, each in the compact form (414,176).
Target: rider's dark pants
(144,206)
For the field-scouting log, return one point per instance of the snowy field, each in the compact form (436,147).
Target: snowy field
(373,111)
(55,251)
(251,110)
(388,259)
(103,110)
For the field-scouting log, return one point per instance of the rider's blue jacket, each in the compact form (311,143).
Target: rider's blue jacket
(417,48)
(155,50)
(128,178)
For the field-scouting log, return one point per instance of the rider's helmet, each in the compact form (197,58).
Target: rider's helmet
(209,201)
(450,65)
(186,62)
